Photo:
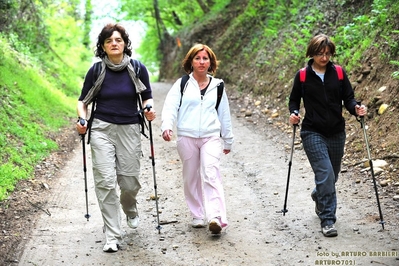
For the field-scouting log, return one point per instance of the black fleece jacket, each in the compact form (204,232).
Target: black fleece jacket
(323,101)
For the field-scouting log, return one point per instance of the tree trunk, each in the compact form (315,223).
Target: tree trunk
(161,28)
(203,6)
(87,23)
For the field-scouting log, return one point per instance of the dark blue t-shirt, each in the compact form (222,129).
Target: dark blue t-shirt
(117,100)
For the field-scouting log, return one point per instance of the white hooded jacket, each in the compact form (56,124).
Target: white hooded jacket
(197,116)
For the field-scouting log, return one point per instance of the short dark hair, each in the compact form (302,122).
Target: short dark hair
(318,43)
(107,32)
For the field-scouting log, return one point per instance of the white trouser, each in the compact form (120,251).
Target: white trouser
(203,187)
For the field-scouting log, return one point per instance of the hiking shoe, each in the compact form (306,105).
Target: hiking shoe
(198,223)
(329,230)
(214,226)
(111,247)
(313,195)
(133,222)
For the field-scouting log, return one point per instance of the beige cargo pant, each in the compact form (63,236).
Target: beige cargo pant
(116,152)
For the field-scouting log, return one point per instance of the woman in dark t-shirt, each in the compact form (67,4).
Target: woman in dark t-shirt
(115,128)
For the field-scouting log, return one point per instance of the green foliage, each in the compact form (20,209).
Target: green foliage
(23,18)
(175,15)
(142,10)
(146,52)
(52,33)
(41,66)
(87,24)
(67,58)
(358,35)
(294,23)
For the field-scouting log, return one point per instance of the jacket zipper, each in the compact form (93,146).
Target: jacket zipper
(200,119)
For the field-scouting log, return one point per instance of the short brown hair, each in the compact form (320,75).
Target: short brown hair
(318,43)
(186,64)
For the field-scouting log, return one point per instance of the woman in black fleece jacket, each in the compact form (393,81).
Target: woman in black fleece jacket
(323,128)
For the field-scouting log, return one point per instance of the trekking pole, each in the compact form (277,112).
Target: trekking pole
(361,120)
(284,210)
(82,122)
(148,107)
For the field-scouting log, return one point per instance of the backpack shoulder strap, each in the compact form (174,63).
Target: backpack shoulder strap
(220,87)
(183,82)
(96,71)
(220,94)
(143,125)
(136,66)
(302,78)
(302,74)
(338,68)
(340,73)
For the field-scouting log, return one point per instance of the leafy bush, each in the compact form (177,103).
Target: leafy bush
(31,109)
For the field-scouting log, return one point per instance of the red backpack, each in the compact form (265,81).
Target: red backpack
(302,76)
(338,68)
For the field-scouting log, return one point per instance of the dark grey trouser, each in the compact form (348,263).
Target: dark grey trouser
(325,155)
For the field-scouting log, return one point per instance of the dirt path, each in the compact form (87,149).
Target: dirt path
(255,175)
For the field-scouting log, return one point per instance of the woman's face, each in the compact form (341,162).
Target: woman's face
(114,45)
(322,58)
(201,62)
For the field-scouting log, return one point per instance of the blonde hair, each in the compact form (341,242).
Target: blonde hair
(186,64)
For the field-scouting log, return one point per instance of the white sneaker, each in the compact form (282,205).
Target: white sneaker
(133,222)
(198,223)
(111,247)
(214,226)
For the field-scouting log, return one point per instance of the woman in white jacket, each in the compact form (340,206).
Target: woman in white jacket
(200,128)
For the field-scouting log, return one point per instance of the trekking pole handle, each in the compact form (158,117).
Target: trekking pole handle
(82,121)
(296,112)
(148,107)
(360,104)
(360,119)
